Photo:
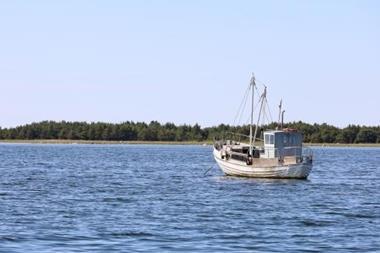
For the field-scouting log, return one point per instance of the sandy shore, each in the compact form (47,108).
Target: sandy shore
(56,141)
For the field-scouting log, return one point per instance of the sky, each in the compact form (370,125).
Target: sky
(188,62)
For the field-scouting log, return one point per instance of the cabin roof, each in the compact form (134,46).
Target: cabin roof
(281,131)
(273,131)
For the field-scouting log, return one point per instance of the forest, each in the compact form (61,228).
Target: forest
(155,131)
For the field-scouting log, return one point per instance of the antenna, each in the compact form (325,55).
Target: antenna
(279,114)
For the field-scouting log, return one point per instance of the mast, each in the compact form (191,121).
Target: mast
(279,114)
(252,85)
(282,119)
(262,98)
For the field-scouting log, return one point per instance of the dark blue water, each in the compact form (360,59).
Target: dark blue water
(95,198)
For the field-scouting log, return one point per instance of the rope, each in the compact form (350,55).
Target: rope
(262,83)
(254,109)
(240,106)
(243,111)
(265,112)
(205,173)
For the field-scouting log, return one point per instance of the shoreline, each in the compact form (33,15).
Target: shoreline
(342,145)
(57,141)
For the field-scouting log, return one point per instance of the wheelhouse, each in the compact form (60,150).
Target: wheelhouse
(280,143)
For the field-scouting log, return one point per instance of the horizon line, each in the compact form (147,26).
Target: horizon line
(180,124)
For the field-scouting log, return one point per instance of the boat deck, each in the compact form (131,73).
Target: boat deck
(270,162)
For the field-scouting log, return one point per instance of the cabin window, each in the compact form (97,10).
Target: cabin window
(289,140)
(269,139)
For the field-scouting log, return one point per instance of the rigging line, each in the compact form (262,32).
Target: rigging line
(260,82)
(266,103)
(243,110)
(258,92)
(244,107)
(254,110)
(264,113)
(240,106)
(267,112)
(243,101)
(270,113)
(267,118)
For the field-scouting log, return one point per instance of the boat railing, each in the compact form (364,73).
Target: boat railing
(237,137)
(296,151)
(285,154)
(288,151)
(293,151)
(307,152)
(238,153)
(237,134)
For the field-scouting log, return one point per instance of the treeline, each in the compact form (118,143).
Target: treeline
(155,131)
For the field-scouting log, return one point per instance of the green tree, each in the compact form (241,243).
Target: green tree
(349,133)
(366,135)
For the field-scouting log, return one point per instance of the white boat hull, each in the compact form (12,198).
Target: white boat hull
(237,168)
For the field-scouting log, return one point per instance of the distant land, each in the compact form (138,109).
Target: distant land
(141,132)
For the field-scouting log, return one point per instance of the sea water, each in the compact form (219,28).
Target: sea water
(156,198)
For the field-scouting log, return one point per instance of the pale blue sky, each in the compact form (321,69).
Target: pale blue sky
(188,61)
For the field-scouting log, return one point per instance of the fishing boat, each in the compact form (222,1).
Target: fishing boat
(280,155)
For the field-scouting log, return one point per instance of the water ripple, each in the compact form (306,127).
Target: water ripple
(144,198)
